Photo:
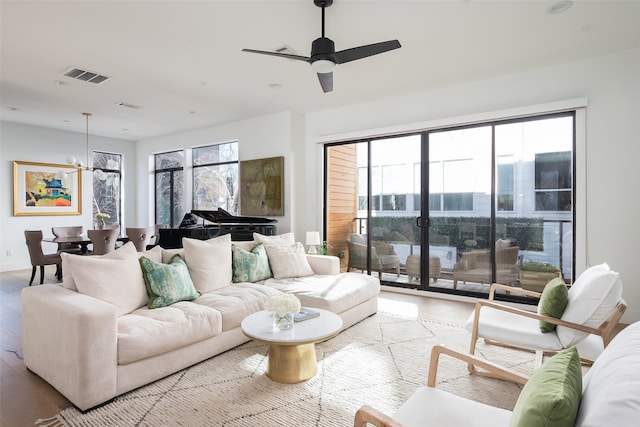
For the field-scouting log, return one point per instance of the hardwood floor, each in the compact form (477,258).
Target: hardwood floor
(25,397)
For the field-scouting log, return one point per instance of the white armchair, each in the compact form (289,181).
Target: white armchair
(594,307)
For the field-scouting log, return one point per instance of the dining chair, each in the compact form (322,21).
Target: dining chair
(103,241)
(38,258)
(140,236)
(72,231)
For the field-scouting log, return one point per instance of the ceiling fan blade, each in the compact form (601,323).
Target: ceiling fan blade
(282,55)
(364,51)
(326,81)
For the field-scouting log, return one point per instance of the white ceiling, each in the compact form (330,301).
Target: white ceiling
(181,61)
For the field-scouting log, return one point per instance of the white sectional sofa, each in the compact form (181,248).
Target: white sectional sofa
(94,337)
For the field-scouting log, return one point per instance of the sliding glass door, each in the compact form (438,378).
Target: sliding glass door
(454,210)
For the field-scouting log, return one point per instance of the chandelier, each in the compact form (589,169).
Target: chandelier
(97,173)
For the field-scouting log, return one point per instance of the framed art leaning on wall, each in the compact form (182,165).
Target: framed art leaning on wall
(262,187)
(46,189)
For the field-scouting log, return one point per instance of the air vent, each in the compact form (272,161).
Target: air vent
(86,76)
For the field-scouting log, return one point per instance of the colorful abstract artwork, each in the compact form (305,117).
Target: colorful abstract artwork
(46,189)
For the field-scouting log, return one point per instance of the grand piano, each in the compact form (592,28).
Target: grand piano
(215,223)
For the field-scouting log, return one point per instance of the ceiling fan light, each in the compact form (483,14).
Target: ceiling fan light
(323,66)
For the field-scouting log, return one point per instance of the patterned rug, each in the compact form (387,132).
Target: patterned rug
(379,361)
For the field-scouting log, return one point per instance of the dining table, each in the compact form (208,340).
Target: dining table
(82,240)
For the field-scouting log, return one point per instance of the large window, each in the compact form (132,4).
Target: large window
(169,183)
(505,184)
(107,185)
(215,177)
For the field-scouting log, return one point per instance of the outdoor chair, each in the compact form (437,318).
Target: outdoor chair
(475,266)
(103,241)
(593,308)
(383,256)
(72,231)
(38,258)
(140,237)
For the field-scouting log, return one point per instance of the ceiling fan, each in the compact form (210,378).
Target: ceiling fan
(324,56)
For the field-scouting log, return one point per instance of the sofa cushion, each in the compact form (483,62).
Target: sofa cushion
(552,303)
(246,245)
(237,301)
(122,253)
(116,281)
(154,254)
(288,261)
(250,266)
(336,293)
(278,240)
(167,283)
(610,388)
(592,298)
(167,254)
(552,395)
(145,332)
(209,262)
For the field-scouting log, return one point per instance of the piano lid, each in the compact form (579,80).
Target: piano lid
(222,216)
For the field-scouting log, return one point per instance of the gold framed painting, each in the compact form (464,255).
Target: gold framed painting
(262,187)
(45,189)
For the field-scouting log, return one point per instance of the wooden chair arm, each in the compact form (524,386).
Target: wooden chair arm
(368,415)
(534,315)
(496,370)
(511,290)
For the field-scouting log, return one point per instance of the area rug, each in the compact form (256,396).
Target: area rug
(379,362)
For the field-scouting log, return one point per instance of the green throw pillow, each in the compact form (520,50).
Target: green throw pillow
(250,266)
(167,283)
(552,395)
(553,302)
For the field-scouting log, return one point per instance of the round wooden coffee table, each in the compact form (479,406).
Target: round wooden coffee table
(292,354)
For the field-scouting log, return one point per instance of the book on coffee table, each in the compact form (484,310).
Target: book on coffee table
(305,314)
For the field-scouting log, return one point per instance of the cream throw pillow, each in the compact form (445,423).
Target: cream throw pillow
(288,261)
(154,254)
(279,240)
(122,253)
(209,262)
(116,281)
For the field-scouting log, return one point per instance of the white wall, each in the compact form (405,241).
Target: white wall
(37,144)
(259,137)
(612,87)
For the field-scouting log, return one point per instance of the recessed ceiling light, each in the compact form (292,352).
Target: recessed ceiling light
(559,7)
(60,82)
(192,111)
(275,86)
(12,109)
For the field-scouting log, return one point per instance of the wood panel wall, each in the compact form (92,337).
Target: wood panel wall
(342,198)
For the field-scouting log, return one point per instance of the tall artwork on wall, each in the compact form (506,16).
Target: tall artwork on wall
(46,189)
(262,187)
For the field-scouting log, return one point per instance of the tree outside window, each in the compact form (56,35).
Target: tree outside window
(107,186)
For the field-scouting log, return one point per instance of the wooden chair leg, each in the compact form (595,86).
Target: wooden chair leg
(41,274)
(33,274)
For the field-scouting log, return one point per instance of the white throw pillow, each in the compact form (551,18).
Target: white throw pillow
(288,261)
(592,298)
(154,254)
(209,262)
(122,253)
(167,254)
(279,240)
(246,245)
(116,281)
